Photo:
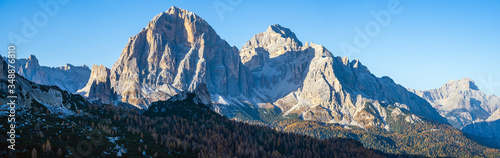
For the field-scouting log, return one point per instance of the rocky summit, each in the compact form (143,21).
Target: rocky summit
(178,51)
(98,87)
(309,81)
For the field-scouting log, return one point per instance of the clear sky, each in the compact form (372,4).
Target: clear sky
(423,45)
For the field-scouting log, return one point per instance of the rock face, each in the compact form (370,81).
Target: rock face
(70,78)
(494,116)
(462,103)
(200,95)
(178,51)
(99,86)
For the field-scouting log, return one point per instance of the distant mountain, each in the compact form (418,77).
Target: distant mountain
(179,50)
(467,108)
(68,77)
(462,103)
(50,99)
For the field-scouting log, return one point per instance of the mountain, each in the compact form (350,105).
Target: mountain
(68,77)
(181,76)
(178,50)
(462,103)
(175,52)
(309,81)
(467,108)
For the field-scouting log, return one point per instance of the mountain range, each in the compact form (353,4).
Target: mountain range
(179,50)
(51,121)
(68,77)
(273,80)
(467,108)
(462,103)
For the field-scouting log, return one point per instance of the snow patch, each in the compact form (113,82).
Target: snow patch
(113,139)
(120,150)
(60,111)
(219,100)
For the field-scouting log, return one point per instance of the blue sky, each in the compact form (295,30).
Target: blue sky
(422,47)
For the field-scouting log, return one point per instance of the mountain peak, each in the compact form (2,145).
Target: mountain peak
(276,38)
(283,32)
(466,80)
(32,57)
(174,16)
(175,52)
(32,62)
(463,84)
(173,8)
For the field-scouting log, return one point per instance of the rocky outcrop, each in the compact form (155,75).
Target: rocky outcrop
(202,94)
(99,86)
(462,103)
(70,78)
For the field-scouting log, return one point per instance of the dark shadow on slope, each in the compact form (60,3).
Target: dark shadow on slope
(485,133)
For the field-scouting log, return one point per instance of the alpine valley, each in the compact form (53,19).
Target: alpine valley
(179,90)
